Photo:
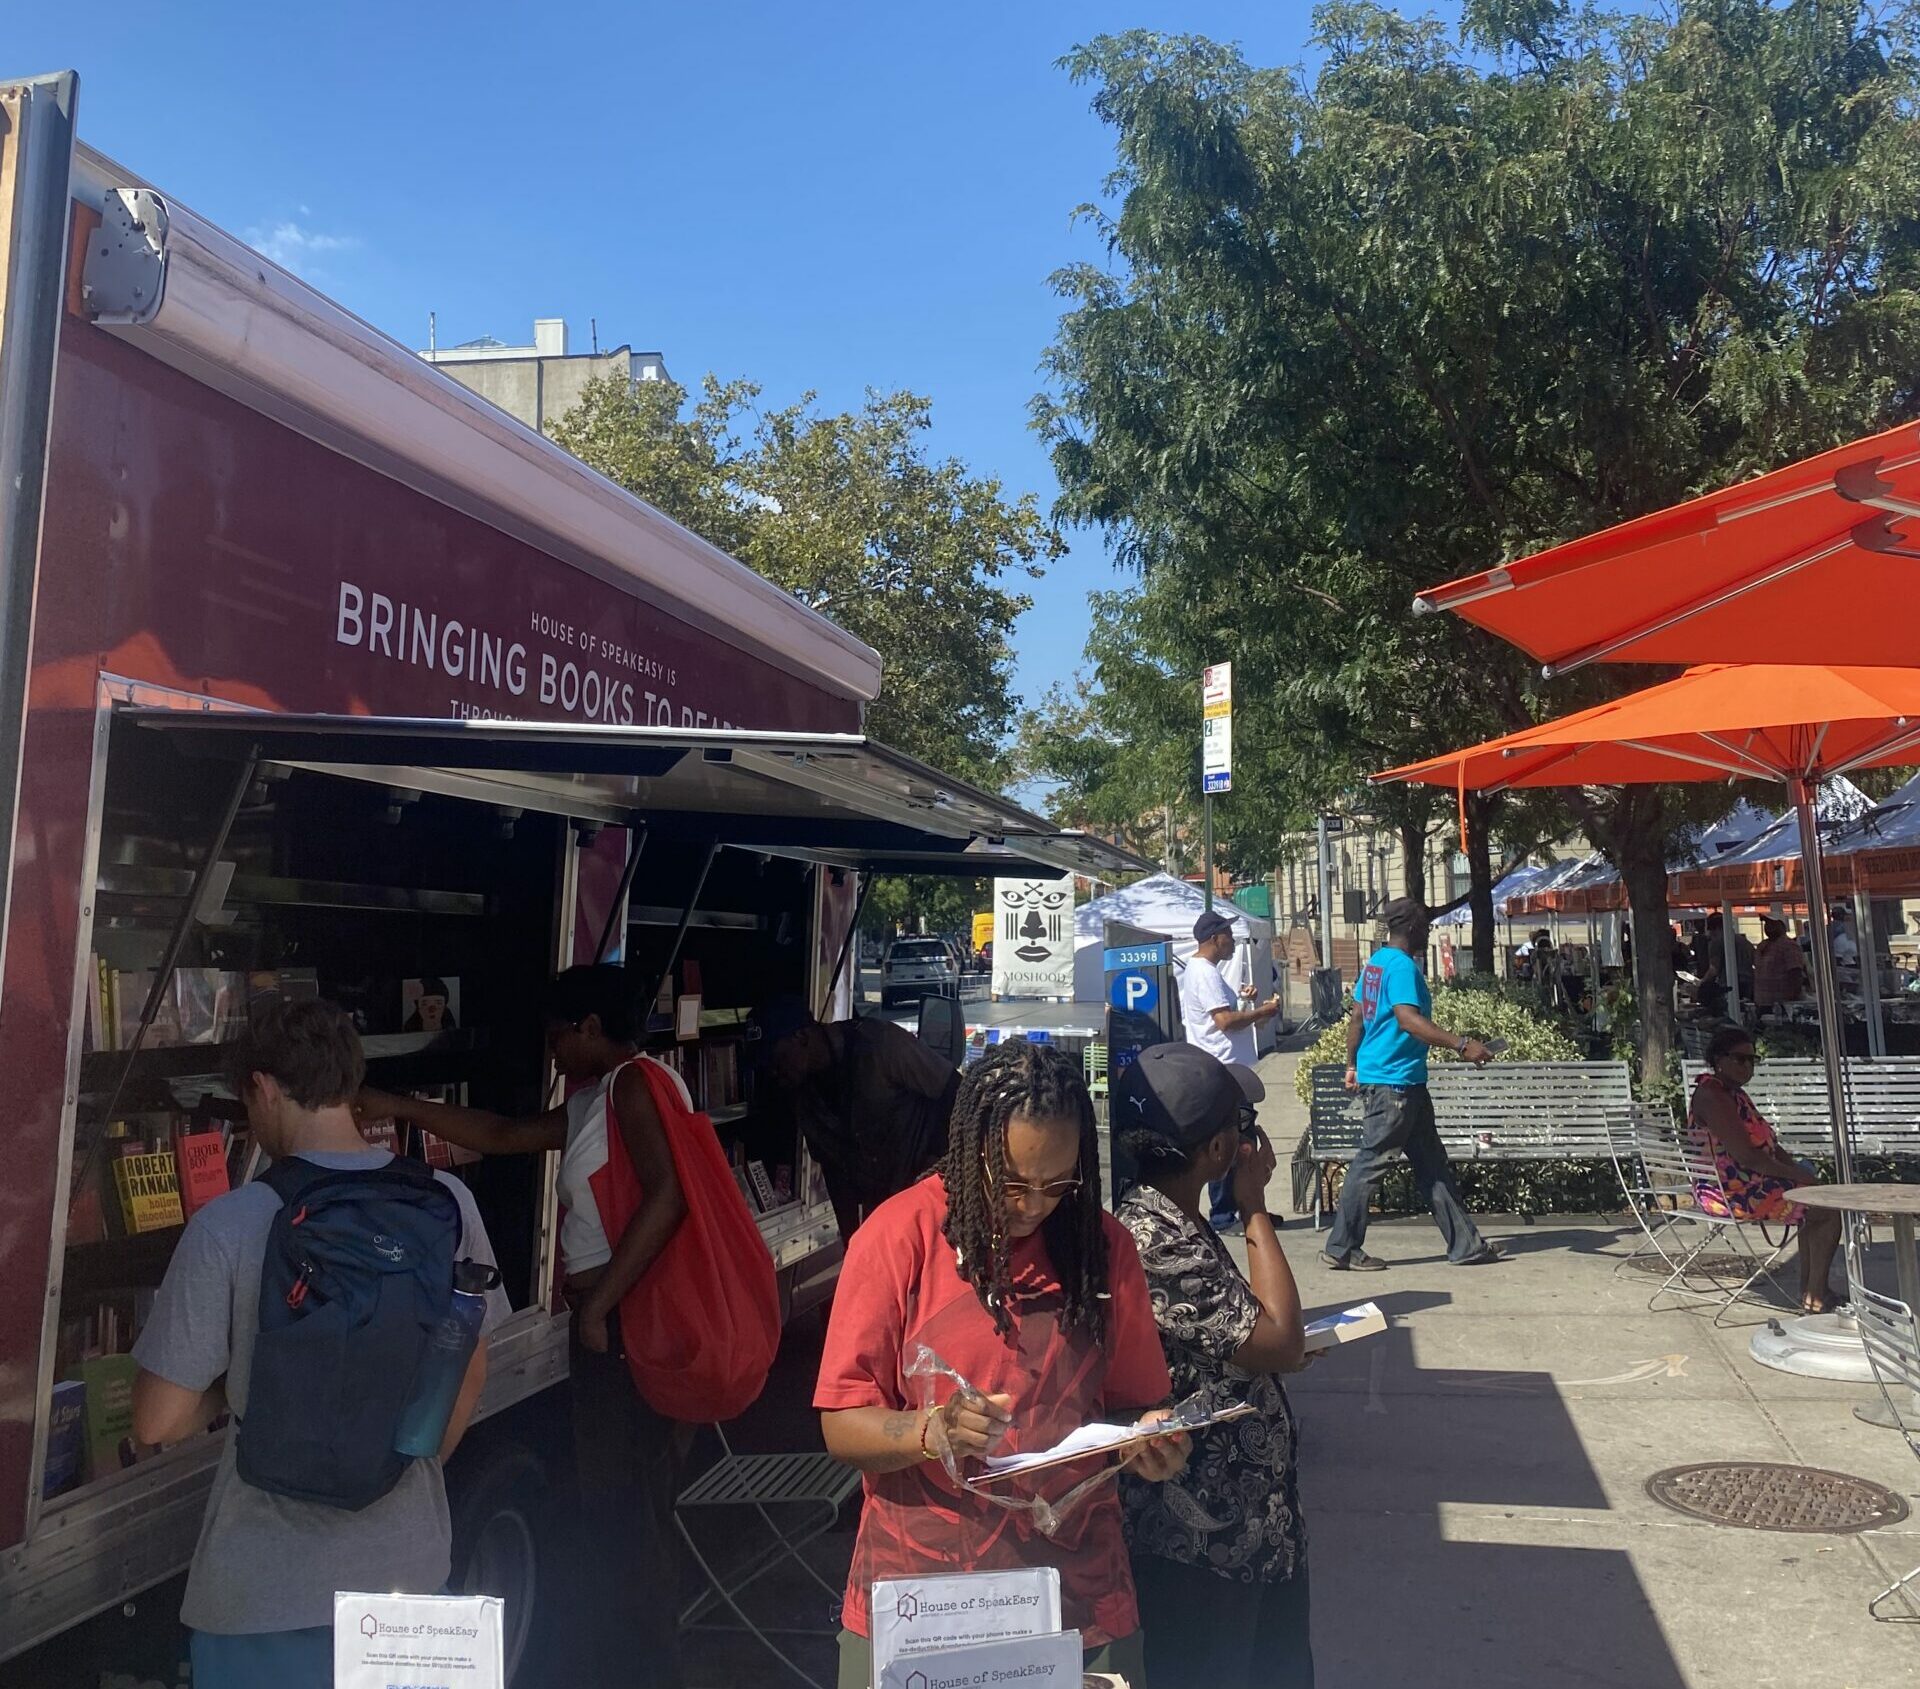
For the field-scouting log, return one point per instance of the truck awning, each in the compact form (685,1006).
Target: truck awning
(834,798)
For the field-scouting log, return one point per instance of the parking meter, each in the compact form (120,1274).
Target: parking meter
(1143,1009)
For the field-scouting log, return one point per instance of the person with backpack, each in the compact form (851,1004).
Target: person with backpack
(309,1497)
(675,1310)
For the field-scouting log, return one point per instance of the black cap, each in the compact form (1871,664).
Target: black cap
(1210,925)
(1181,1093)
(776,1020)
(1403,914)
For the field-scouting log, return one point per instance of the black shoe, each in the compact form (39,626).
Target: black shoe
(1358,1262)
(1484,1256)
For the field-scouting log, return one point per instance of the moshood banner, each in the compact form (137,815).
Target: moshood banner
(1033,938)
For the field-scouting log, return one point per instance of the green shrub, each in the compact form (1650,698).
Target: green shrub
(1473,1008)
(1777,1043)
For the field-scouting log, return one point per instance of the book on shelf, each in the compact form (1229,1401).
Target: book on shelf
(66,1465)
(201,1162)
(762,1186)
(430,1003)
(149,1192)
(746,1188)
(107,1413)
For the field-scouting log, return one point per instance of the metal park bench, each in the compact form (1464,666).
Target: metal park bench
(1883,1096)
(1507,1111)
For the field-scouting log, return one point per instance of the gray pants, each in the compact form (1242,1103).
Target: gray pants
(1400,1117)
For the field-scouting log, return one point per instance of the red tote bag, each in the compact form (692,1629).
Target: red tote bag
(701,1326)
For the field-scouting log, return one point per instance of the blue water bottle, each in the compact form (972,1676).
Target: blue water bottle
(436,1386)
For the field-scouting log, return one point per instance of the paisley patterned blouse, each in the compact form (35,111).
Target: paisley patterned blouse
(1236,1508)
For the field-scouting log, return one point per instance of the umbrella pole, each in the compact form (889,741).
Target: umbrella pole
(1833,1042)
(1730,962)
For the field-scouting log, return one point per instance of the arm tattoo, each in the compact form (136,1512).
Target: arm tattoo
(899,1426)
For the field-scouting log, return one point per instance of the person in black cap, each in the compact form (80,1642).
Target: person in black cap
(872,1101)
(1388,1036)
(1219,1551)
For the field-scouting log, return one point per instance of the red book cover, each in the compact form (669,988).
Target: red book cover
(203,1168)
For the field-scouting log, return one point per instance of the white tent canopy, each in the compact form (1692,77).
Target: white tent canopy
(1160,903)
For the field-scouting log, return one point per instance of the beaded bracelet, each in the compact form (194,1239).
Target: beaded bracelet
(926,1425)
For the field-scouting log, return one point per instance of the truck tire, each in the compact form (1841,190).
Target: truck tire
(497,1506)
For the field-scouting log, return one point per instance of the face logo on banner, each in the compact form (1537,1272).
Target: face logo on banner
(1033,929)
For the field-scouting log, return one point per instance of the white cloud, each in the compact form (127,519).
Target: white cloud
(298,248)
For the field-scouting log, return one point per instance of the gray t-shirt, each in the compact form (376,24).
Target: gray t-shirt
(265,1562)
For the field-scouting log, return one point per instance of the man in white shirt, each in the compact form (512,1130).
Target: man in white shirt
(1213,1017)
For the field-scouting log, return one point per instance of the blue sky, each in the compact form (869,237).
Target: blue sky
(817,196)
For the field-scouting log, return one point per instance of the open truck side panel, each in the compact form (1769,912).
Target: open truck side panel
(281,558)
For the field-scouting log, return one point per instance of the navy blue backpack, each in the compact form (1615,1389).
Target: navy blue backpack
(358,1271)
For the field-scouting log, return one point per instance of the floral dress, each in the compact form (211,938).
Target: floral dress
(1235,1510)
(1747,1195)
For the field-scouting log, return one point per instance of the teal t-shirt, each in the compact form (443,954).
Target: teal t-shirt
(1388,1054)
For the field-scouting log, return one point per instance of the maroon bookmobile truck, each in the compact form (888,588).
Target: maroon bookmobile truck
(319,673)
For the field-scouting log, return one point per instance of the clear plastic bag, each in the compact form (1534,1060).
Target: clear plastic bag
(1048,1515)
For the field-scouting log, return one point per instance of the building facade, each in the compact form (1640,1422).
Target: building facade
(540,383)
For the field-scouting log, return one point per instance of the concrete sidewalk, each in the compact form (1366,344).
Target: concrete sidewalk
(1474,1479)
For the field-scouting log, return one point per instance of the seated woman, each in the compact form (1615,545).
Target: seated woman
(1220,1552)
(1755,1171)
(1005,1266)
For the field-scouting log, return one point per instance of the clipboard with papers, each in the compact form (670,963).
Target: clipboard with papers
(1095,1439)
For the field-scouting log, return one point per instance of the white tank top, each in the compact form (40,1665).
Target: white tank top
(583,1239)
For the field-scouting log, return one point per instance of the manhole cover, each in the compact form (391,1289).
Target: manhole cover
(1761,1495)
(1705,1266)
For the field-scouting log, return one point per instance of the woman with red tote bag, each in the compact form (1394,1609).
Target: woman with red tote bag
(675,1312)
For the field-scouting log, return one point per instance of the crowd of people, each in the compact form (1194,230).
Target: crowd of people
(976,1232)
(989,1303)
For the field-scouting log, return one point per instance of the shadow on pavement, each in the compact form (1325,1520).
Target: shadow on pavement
(1403,1595)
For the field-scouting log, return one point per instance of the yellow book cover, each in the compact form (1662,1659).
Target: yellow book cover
(149,1192)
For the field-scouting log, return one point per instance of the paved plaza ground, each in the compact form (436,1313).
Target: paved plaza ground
(1475,1479)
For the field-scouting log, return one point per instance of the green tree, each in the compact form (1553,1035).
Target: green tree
(917,556)
(1448,301)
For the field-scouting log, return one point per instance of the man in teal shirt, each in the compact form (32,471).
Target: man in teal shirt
(1388,1035)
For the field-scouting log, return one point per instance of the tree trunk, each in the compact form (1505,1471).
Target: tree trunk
(1413,851)
(1641,856)
(1480,880)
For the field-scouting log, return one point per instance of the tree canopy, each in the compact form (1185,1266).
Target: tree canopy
(919,557)
(1447,300)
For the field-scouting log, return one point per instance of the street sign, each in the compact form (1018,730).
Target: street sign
(1216,763)
(1216,691)
(1335,825)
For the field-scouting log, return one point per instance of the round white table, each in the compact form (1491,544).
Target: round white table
(1901,1204)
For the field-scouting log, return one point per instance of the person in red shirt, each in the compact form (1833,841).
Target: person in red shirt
(1005,1266)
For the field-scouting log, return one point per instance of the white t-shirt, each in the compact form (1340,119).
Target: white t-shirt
(1202,990)
(1846,952)
(583,1239)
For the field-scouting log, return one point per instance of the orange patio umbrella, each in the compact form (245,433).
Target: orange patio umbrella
(1811,563)
(1793,725)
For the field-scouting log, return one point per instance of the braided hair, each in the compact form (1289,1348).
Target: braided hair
(1041,1083)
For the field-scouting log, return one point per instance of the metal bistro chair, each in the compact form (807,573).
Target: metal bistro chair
(1094,1064)
(1658,1193)
(1892,1338)
(816,1482)
(1677,1167)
